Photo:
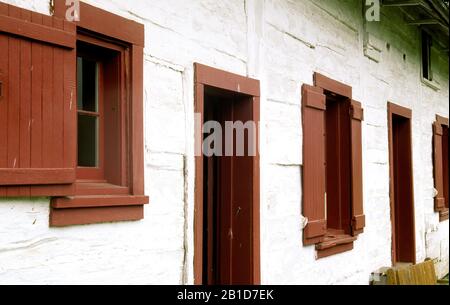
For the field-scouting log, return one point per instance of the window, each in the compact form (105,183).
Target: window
(89,113)
(75,130)
(426,56)
(441,170)
(337,165)
(332,166)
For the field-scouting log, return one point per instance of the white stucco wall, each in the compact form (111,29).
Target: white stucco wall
(281,43)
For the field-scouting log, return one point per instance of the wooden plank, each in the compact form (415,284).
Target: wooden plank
(39,176)
(70,104)
(137,118)
(331,85)
(83,216)
(98,201)
(13,103)
(4,58)
(58,102)
(34,31)
(334,250)
(48,143)
(36,99)
(313,203)
(358,218)
(229,81)
(199,198)
(25,103)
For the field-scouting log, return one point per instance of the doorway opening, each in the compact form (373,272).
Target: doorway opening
(227,185)
(402,195)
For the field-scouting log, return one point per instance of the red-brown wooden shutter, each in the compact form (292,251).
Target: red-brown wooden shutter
(439,201)
(38,104)
(313,112)
(358,218)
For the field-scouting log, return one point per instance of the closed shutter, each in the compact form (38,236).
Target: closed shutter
(358,218)
(439,201)
(313,112)
(37,104)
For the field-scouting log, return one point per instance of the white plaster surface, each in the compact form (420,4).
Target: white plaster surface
(282,43)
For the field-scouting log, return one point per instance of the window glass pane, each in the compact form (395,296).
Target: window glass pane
(87,85)
(87,141)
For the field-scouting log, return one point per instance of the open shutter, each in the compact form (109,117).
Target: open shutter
(439,201)
(358,218)
(313,111)
(37,104)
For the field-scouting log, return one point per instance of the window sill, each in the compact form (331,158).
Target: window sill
(432,84)
(97,203)
(443,215)
(334,244)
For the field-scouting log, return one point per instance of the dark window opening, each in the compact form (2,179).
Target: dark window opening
(426,56)
(338,165)
(88,112)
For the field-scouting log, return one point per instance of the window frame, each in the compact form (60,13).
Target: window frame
(95,172)
(97,200)
(314,98)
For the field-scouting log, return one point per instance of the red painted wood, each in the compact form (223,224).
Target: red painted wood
(358,217)
(4,57)
(236,180)
(438,166)
(25,104)
(84,216)
(313,165)
(70,103)
(225,80)
(137,117)
(445,164)
(48,142)
(36,99)
(331,85)
(14,104)
(58,102)
(98,201)
(112,25)
(21,27)
(41,176)
(32,152)
(401,188)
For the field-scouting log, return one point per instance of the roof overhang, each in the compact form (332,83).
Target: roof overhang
(430,15)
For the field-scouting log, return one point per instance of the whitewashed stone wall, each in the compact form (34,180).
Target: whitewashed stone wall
(280,42)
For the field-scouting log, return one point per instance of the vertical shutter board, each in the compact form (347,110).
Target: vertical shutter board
(70,103)
(313,206)
(36,100)
(26,136)
(13,103)
(47,103)
(358,218)
(25,103)
(439,201)
(58,102)
(4,56)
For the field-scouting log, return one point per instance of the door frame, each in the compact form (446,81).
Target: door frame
(394,109)
(208,76)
